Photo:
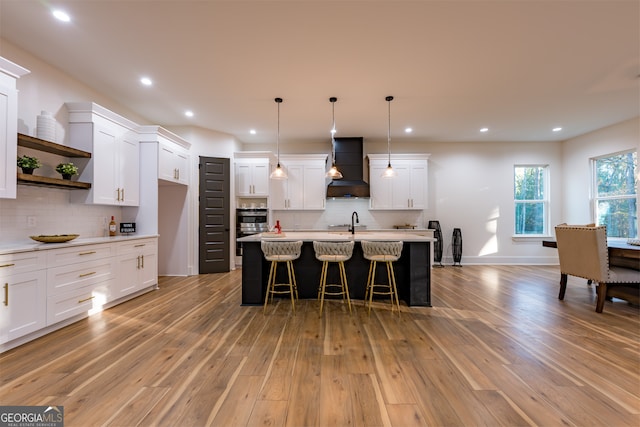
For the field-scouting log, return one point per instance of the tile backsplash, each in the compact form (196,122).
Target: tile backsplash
(40,210)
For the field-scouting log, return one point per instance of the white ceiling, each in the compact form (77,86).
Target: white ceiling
(517,67)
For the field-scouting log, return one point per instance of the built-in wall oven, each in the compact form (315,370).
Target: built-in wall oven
(250,221)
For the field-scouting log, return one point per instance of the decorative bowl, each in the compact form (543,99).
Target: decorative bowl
(54,238)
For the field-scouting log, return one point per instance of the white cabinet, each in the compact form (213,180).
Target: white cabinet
(46,287)
(306,186)
(137,266)
(113,169)
(79,280)
(171,151)
(407,190)
(23,308)
(252,177)
(173,165)
(9,73)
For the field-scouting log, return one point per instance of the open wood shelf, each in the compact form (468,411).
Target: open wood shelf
(43,181)
(50,147)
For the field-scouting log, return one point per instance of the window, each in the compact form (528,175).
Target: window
(615,201)
(531,199)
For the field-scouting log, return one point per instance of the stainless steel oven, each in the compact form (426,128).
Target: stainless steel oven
(250,221)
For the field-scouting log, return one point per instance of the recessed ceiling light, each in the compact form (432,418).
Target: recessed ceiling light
(558,129)
(146,81)
(408,130)
(484,130)
(188,113)
(252,131)
(61,15)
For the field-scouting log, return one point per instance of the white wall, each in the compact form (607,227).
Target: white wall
(578,152)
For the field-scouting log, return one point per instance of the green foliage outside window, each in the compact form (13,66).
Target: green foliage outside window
(530,199)
(615,194)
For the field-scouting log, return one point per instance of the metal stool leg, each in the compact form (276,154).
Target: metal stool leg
(372,267)
(392,286)
(345,286)
(323,283)
(291,285)
(270,285)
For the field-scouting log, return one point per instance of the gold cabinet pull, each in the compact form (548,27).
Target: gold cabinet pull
(7,265)
(6,294)
(87,274)
(87,253)
(139,245)
(123,194)
(86,299)
(138,262)
(142,263)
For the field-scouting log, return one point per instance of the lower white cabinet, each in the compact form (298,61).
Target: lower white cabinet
(78,288)
(44,287)
(23,307)
(137,265)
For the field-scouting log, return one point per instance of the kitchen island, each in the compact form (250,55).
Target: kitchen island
(413,269)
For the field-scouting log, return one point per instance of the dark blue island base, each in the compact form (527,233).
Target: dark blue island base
(413,273)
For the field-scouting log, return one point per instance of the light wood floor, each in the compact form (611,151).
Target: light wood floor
(497,348)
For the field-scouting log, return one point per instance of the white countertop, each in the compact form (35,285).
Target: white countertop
(28,245)
(395,235)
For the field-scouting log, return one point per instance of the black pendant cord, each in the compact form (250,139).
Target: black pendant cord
(278,101)
(389,99)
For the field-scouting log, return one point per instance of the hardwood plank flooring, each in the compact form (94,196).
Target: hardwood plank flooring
(497,348)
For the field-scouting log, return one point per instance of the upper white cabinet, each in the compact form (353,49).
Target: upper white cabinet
(9,73)
(172,152)
(252,171)
(173,164)
(306,186)
(113,169)
(406,191)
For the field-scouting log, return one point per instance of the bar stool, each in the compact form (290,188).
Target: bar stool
(387,252)
(333,252)
(278,252)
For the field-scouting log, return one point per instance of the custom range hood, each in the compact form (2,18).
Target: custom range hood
(349,160)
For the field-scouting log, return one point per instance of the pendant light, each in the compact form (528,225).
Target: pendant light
(333,173)
(389,172)
(278,172)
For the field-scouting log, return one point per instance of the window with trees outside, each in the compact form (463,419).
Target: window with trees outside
(614,191)
(531,198)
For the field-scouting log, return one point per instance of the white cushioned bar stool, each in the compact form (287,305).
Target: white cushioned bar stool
(333,252)
(278,252)
(388,253)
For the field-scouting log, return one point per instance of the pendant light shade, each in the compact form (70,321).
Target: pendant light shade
(389,172)
(278,172)
(333,173)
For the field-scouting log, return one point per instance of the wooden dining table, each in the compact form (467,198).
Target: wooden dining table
(621,253)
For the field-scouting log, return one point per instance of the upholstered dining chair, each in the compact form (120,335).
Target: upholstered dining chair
(583,252)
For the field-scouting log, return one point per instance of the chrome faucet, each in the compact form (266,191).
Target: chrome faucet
(353,224)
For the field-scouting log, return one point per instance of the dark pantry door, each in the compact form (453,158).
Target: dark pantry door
(214,215)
